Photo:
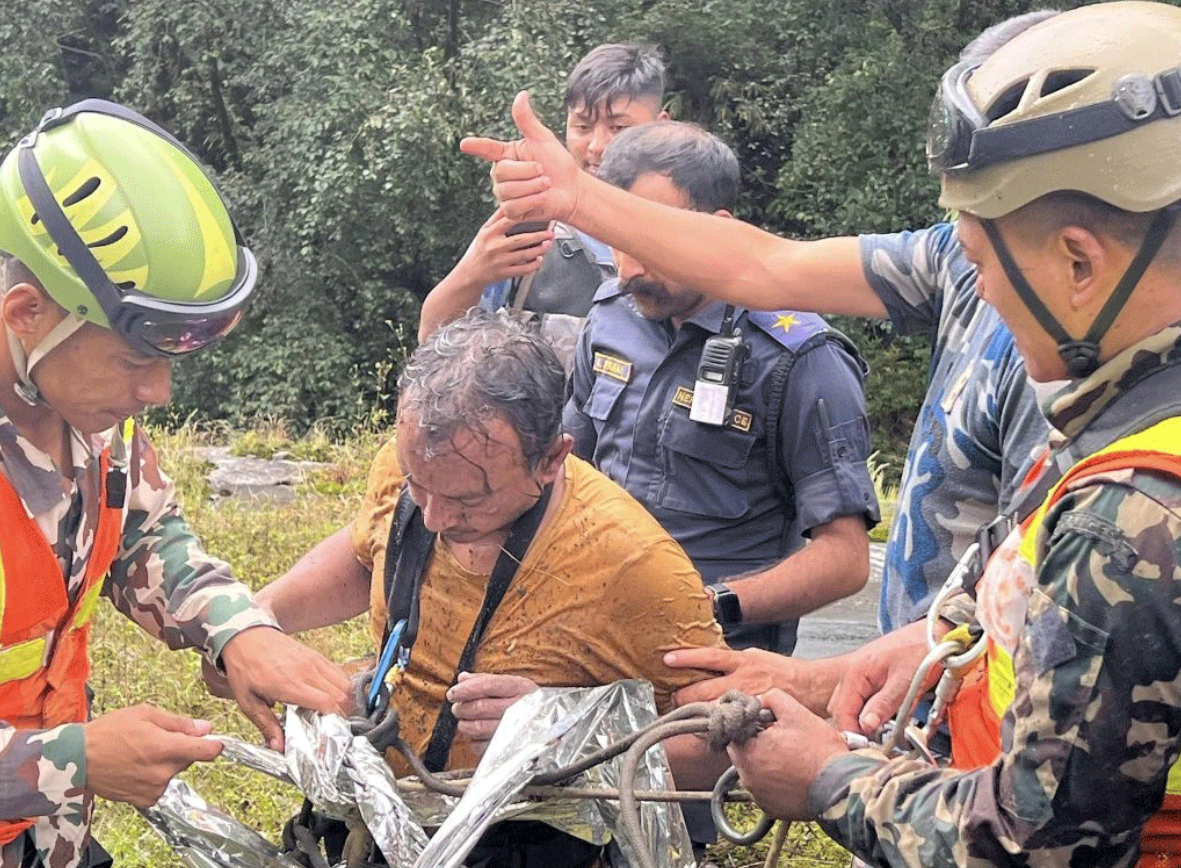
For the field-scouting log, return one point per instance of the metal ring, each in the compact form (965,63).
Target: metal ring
(717,806)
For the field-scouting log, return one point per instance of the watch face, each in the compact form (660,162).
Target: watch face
(727,608)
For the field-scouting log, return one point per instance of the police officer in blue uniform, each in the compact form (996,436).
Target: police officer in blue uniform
(744,433)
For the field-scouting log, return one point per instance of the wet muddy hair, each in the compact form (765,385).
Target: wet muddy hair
(486,365)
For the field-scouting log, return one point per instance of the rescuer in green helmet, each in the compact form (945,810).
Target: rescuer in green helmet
(117,255)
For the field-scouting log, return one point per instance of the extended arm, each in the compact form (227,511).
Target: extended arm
(1079,774)
(164,580)
(728,259)
(492,256)
(326,586)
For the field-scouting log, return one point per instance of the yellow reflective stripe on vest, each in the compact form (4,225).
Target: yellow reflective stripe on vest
(22,659)
(1002,680)
(86,605)
(1163,438)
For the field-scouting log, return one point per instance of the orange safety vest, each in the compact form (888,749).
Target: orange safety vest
(43,637)
(988,688)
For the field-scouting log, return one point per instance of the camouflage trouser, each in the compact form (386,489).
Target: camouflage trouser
(95,857)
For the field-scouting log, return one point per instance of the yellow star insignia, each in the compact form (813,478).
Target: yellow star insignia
(785,321)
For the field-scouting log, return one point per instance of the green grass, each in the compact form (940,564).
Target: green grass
(261,540)
(887,493)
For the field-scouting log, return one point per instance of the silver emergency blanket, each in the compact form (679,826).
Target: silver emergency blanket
(551,728)
(346,778)
(204,837)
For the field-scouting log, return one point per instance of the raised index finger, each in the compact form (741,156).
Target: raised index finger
(492,150)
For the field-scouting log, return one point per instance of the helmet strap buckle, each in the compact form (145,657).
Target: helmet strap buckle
(1081,357)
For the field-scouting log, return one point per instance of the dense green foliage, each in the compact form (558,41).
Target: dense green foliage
(334,124)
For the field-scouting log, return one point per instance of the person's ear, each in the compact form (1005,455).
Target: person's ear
(722,212)
(28,311)
(1090,262)
(551,465)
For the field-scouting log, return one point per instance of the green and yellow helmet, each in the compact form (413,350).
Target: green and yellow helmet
(122,227)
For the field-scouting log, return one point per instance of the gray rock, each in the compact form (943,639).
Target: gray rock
(249,478)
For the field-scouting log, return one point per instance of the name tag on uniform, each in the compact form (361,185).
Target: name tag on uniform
(739,419)
(615,368)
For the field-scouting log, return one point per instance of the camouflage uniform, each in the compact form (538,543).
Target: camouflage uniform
(1096,720)
(161,578)
(979,423)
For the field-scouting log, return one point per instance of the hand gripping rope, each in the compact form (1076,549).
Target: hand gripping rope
(735,717)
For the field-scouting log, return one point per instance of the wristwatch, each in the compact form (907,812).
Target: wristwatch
(727,607)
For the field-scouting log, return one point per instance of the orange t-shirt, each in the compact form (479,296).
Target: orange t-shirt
(600,595)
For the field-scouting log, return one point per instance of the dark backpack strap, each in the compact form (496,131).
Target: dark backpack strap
(407,551)
(519,538)
(776,399)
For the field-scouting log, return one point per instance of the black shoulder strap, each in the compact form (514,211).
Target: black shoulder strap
(519,538)
(777,397)
(407,551)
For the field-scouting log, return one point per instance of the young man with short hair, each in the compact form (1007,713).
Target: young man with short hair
(553,271)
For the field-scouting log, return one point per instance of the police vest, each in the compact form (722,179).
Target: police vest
(43,636)
(974,716)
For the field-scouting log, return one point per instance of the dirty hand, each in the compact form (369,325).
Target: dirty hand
(132,753)
(779,764)
(534,178)
(754,671)
(480,699)
(265,666)
(876,679)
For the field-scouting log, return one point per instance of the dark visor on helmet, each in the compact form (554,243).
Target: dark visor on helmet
(960,140)
(161,328)
(151,325)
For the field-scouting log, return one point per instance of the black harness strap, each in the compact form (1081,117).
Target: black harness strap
(519,538)
(408,552)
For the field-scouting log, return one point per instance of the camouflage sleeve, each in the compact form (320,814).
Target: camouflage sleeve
(1095,724)
(162,577)
(43,772)
(909,272)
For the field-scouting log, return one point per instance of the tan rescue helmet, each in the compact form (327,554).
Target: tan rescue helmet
(1088,100)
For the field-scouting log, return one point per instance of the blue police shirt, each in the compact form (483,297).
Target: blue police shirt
(707,485)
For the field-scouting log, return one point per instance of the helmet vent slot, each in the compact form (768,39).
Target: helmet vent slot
(1063,78)
(1006,102)
(110,239)
(126,284)
(88,187)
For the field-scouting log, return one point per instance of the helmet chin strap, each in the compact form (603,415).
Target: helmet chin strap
(1082,356)
(23,364)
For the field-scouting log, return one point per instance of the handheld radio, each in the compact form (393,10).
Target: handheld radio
(719,372)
